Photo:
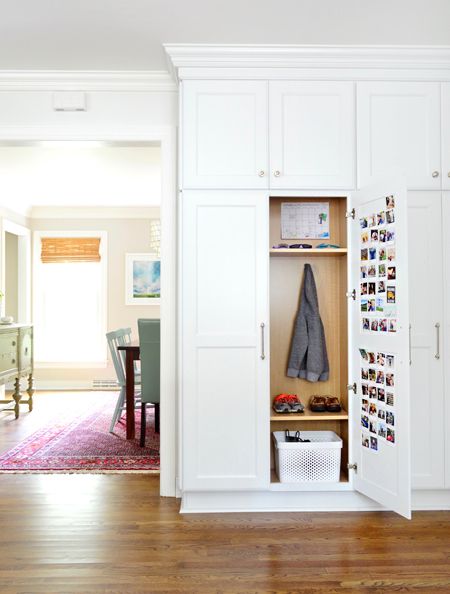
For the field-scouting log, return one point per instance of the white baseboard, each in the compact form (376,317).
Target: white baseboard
(63,385)
(310,501)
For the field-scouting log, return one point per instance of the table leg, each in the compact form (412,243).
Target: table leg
(17,397)
(129,373)
(30,391)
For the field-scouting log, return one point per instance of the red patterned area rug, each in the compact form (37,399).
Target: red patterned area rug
(84,445)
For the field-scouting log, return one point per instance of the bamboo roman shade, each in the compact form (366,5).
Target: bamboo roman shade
(56,250)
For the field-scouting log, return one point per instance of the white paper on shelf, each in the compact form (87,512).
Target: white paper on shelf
(306,220)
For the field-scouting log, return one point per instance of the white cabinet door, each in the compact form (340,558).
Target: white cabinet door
(446,136)
(379,346)
(224,134)
(398,130)
(426,316)
(225,347)
(312,134)
(446,333)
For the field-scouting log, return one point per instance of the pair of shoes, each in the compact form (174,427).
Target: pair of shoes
(325,404)
(287,403)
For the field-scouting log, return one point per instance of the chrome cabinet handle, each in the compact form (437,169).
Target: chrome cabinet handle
(435,174)
(438,351)
(262,173)
(410,352)
(263,355)
(277,173)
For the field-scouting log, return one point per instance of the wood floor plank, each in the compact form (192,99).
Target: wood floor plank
(113,534)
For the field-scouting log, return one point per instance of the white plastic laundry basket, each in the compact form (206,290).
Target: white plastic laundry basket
(317,461)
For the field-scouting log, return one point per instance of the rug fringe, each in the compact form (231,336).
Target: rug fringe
(92,471)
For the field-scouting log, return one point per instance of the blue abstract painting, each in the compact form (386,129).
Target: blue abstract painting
(146,279)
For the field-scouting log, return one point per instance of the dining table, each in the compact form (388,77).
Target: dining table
(132,354)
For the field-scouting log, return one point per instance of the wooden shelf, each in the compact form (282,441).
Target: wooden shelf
(309,252)
(308,415)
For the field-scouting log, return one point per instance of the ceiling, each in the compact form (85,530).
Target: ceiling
(128,34)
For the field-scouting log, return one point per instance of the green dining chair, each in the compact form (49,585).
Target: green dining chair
(149,344)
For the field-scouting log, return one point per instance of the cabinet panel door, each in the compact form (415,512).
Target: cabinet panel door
(398,130)
(446,333)
(225,366)
(224,134)
(426,316)
(312,134)
(379,346)
(446,136)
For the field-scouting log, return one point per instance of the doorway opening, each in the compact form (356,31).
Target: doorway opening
(111,190)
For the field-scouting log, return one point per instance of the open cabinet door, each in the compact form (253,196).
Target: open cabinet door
(379,349)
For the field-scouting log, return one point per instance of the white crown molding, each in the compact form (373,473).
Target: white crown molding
(186,57)
(67,80)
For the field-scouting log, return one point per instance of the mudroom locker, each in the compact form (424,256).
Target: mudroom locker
(252,146)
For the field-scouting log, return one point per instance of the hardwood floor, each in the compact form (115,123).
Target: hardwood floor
(113,534)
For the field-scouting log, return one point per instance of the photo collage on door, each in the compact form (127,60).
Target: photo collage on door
(378,276)
(377,399)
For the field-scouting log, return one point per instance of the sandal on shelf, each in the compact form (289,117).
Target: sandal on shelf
(333,404)
(318,403)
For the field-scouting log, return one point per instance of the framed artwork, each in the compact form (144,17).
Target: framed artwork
(142,279)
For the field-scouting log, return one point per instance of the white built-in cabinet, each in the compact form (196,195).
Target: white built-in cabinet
(445,136)
(311,134)
(225,340)
(252,134)
(224,135)
(427,353)
(398,128)
(245,143)
(446,334)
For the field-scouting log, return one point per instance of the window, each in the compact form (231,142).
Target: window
(70,297)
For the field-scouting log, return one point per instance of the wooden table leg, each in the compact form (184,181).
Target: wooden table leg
(129,373)
(30,391)
(17,397)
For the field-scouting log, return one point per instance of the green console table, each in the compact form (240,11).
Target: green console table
(16,362)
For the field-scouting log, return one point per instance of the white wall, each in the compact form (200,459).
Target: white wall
(83,173)
(11,276)
(108,111)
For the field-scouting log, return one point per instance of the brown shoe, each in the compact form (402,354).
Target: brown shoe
(333,404)
(318,403)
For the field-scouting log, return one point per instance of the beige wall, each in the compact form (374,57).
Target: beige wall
(125,235)
(11,275)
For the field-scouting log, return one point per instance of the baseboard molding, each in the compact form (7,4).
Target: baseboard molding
(311,501)
(273,501)
(428,500)
(50,385)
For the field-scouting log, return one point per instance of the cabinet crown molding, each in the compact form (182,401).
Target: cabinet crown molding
(183,58)
(90,80)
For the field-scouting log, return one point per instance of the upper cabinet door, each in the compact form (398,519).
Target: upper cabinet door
(446,136)
(379,346)
(312,134)
(224,134)
(399,133)
(225,341)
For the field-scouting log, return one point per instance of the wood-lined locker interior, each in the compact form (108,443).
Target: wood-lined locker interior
(286,276)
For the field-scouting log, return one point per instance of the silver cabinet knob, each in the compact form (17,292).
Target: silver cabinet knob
(448,174)
(262,173)
(277,173)
(435,174)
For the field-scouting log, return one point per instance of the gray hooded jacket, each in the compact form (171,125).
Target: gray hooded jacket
(308,359)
